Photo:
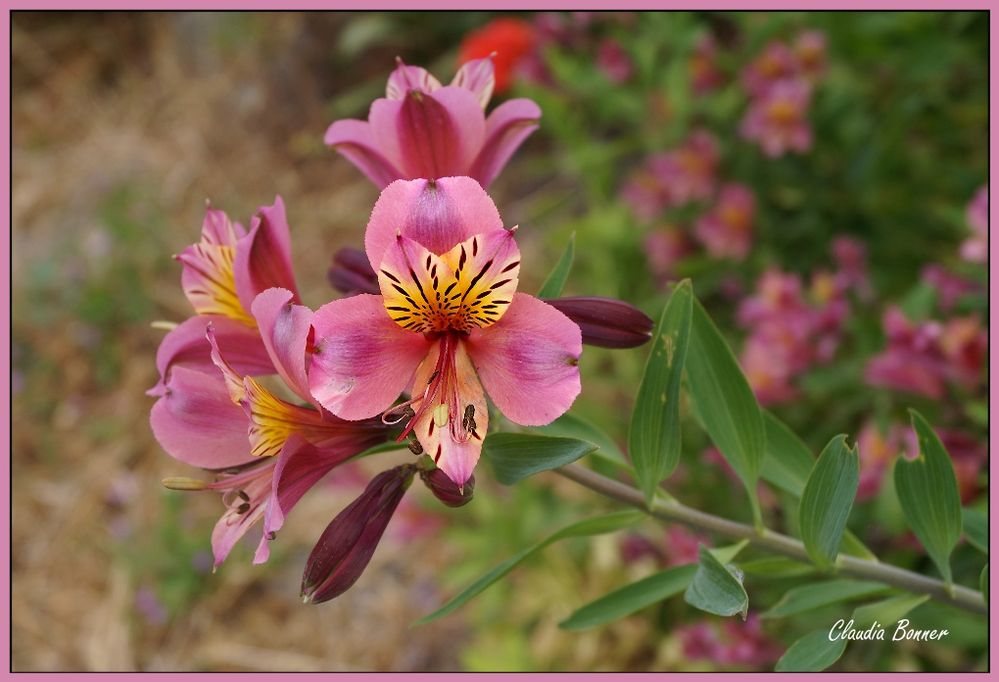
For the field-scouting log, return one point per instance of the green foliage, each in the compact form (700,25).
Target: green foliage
(716,588)
(827,499)
(812,653)
(976,529)
(815,595)
(631,598)
(515,456)
(654,435)
(553,285)
(927,491)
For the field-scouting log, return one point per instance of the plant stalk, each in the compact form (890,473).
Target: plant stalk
(853,567)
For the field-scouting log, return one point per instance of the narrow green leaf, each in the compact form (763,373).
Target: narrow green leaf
(715,588)
(976,529)
(814,595)
(598,525)
(728,553)
(812,653)
(726,403)
(927,491)
(654,434)
(553,285)
(788,460)
(983,582)
(854,547)
(776,567)
(827,500)
(515,456)
(887,610)
(571,425)
(631,598)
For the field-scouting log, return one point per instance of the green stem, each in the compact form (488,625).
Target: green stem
(854,567)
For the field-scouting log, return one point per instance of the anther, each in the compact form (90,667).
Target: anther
(243,508)
(415,447)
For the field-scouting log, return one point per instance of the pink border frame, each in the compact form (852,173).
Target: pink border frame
(6,6)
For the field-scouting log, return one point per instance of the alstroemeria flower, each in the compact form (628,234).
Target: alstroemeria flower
(421,129)
(776,63)
(213,413)
(449,327)
(727,230)
(777,120)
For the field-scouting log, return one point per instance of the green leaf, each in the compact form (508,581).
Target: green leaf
(976,529)
(632,598)
(571,425)
(811,653)
(776,567)
(927,491)
(553,285)
(654,435)
(887,610)
(827,499)
(515,456)
(725,403)
(854,547)
(983,582)
(728,553)
(598,525)
(814,595)
(715,588)
(788,461)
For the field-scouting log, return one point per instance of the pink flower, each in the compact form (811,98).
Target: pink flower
(912,361)
(964,344)
(777,119)
(877,449)
(810,52)
(731,643)
(776,63)
(614,62)
(665,247)
(976,248)
(703,65)
(687,173)
(950,287)
(212,412)
(448,327)
(644,194)
(726,231)
(421,129)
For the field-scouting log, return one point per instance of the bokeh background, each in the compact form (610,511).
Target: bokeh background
(850,283)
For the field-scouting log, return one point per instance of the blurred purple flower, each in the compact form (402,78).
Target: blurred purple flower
(810,53)
(877,449)
(976,248)
(730,643)
(614,62)
(150,606)
(687,173)
(850,256)
(703,65)
(727,229)
(664,248)
(776,63)
(950,288)
(777,119)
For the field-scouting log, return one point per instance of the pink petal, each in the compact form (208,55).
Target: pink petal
(299,467)
(263,257)
(506,129)
(429,136)
(285,329)
(232,525)
(407,78)
(438,215)
(196,422)
(363,360)
(478,76)
(528,361)
(354,140)
(185,345)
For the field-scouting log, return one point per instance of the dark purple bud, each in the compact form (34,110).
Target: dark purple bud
(351,272)
(346,546)
(445,490)
(606,322)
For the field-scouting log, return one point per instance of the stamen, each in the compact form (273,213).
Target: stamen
(415,447)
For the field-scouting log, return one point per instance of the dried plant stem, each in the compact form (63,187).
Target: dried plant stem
(854,567)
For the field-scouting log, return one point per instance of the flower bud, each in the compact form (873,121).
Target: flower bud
(606,322)
(346,546)
(445,490)
(351,272)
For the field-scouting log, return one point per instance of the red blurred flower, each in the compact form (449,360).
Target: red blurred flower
(510,39)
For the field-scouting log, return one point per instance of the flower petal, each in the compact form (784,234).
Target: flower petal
(506,129)
(362,360)
(285,328)
(185,345)
(207,275)
(407,78)
(478,76)
(469,286)
(196,422)
(454,457)
(233,525)
(439,215)
(354,140)
(528,361)
(263,257)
